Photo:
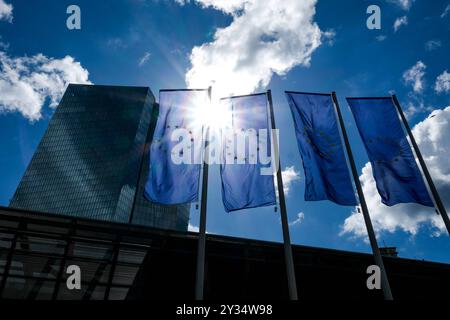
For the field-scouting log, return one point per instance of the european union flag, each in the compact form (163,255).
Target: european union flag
(395,170)
(175,163)
(318,138)
(244,183)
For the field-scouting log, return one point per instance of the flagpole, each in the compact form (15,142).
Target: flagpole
(200,275)
(292,284)
(437,199)
(373,240)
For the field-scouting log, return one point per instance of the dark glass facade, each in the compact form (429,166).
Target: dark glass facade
(92,157)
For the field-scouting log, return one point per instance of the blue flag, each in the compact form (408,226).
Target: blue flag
(247,178)
(175,152)
(395,170)
(318,138)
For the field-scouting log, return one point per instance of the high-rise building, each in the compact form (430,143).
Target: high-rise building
(92,157)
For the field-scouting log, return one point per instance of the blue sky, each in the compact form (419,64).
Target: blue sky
(149,42)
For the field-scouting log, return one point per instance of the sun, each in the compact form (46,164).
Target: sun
(215,115)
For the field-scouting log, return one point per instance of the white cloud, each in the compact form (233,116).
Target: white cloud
(381,38)
(404,4)
(442,84)
(328,37)
(411,110)
(265,37)
(432,45)
(298,220)
(227,6)
(289,176)
(402,21)
(432,137)
(192,228)
(27,82)
(415,75)
(116,43)
(3,45)
(144,59)
(446,11)
(414,107)
(6,11)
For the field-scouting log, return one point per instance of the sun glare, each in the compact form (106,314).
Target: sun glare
(215,116)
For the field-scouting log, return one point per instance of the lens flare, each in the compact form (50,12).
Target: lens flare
(215,115)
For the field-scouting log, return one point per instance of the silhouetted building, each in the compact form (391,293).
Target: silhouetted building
(389,251)
(92,156)
(122,261)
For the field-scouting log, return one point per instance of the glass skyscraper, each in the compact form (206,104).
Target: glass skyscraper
(93,157)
